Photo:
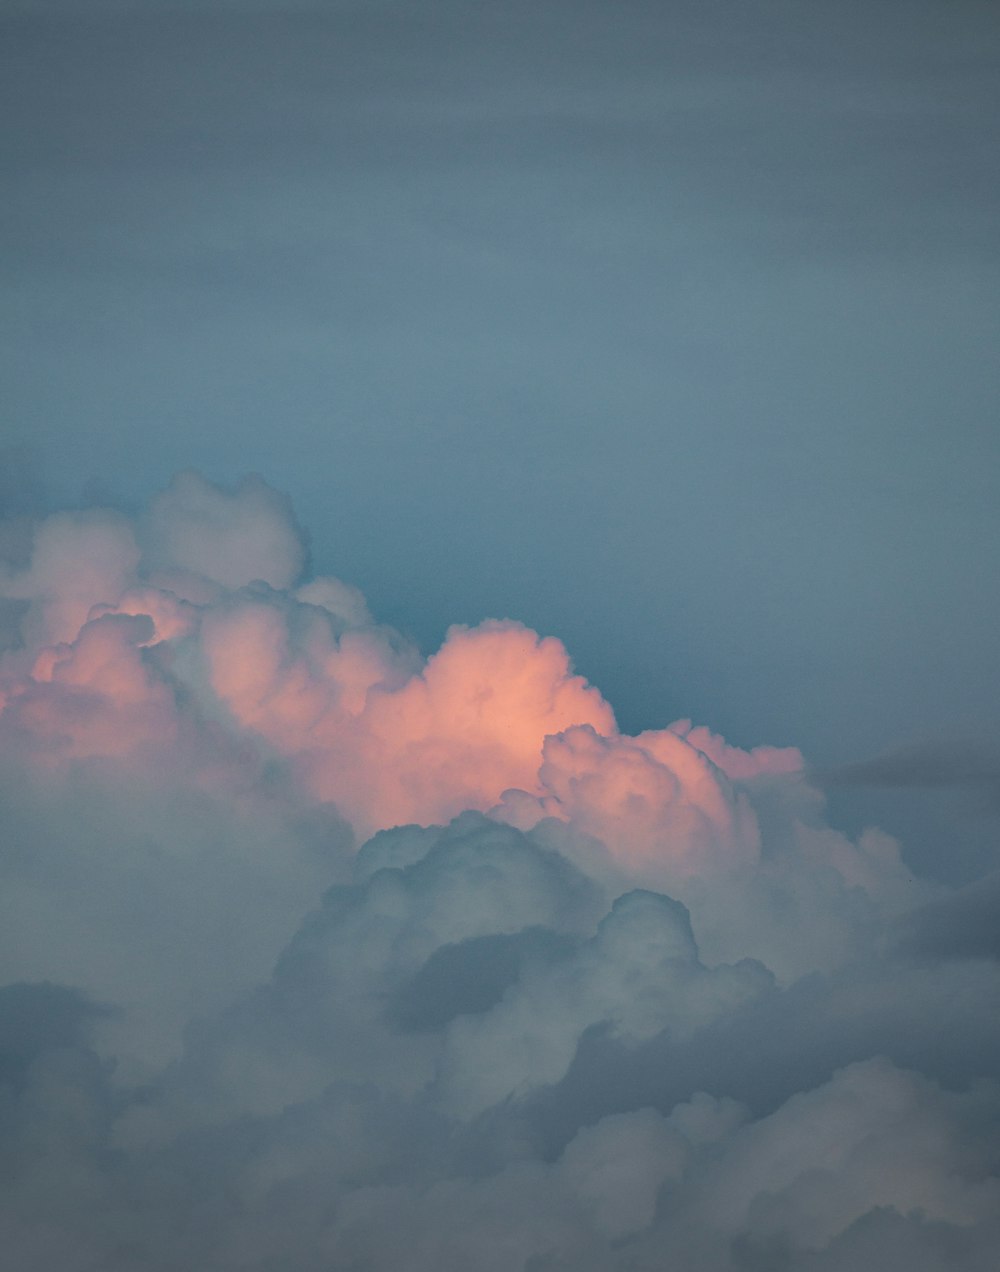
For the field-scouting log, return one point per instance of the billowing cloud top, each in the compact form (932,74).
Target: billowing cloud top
(421,963)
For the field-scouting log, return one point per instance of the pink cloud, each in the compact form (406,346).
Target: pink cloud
(79,560)
(95,696)
(388,746)
(651,800)
(475,721)
(741,766)
(356,715)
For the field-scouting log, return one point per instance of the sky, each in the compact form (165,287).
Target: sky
(429,430)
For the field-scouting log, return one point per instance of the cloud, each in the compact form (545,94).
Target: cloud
(78,560)
(874,1137)
(321,953)
(964,924)
(388,740)
(924,764)
(638,976)
(230,537)
(652,799)
(38,1018)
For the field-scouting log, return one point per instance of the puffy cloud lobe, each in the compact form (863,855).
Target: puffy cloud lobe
(474,721)
(342,986)
(230,537)
(78,560)
(389,746)
(639,975)
(653,801)
(739,765)
(344,602)
(873,1137)
(618,1166)
(96,696)
(583,1013)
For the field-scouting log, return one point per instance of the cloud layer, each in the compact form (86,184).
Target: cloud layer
(320,954)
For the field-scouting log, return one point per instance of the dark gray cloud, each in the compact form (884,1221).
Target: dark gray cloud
(940,796)
(927,764)
(38,1018)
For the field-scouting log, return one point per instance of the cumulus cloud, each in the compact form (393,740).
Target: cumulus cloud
(638,977)
(654,799)
(78,560)
(323,954)
(232,537)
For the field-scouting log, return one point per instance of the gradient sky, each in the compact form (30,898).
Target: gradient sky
(667,328)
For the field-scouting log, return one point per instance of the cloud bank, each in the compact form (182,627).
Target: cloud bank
(323,955)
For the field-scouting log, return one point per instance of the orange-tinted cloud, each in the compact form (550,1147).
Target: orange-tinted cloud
(388,746)
(95,697)
(495,718)
(651,800)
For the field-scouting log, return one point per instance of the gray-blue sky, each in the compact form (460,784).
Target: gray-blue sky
(666,328)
